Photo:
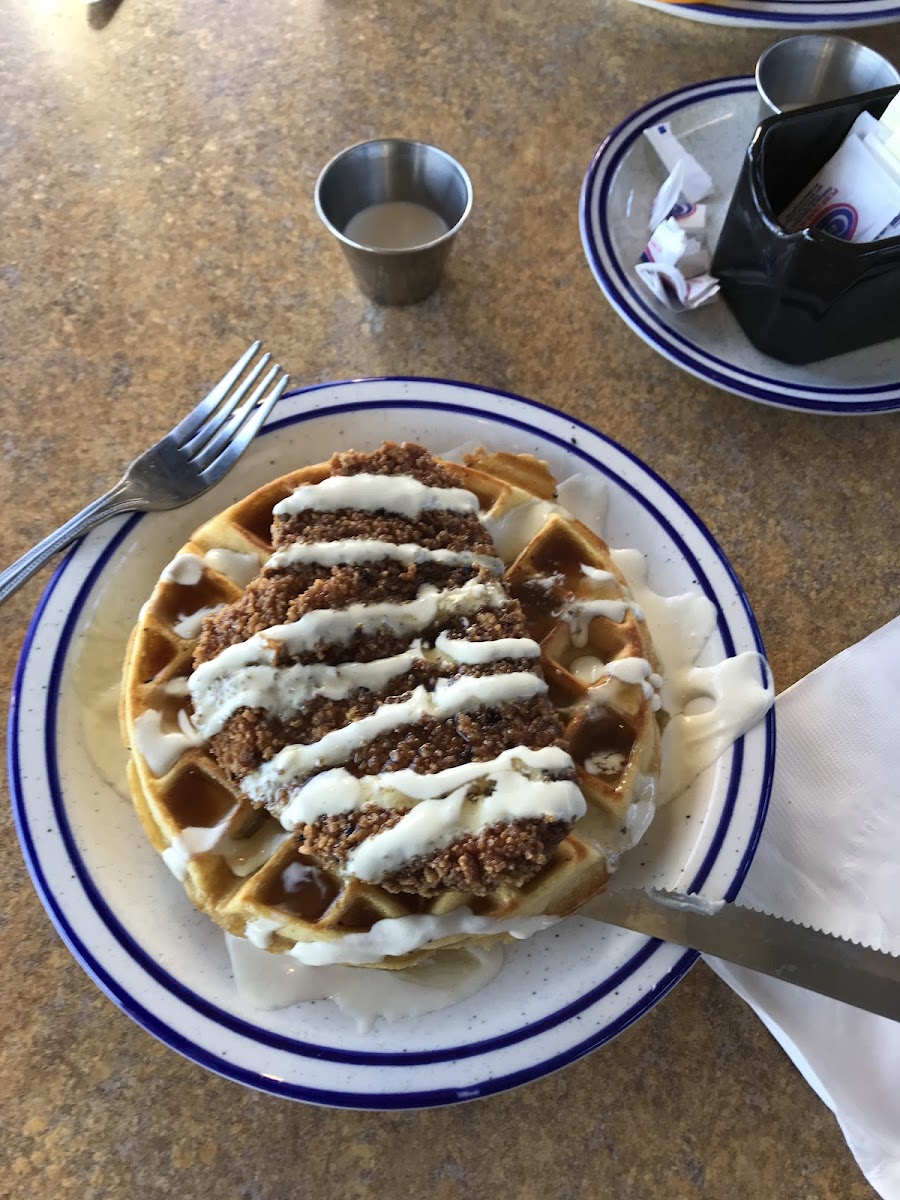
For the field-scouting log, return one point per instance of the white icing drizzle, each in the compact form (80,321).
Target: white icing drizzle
(578,615)
(461,651)
(449,697)
(339,626)
(243,855)
(636,671)
(281,690)
(189,626)
(434,824)
(261,931)
(246,855)
(598,576)
(741,688)
(337,791)
(399,935)
(363,550)
(186,569)
(399,494)
(195,840)
(176,687)
(691,741)
(513,530)
(588,669)
(239,568)
(161,750)
(586,497)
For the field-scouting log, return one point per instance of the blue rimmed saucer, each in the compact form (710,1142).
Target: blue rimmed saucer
(800,15)
(715,120)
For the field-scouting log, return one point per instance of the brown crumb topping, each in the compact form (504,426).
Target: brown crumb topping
(508,854)
(476,863)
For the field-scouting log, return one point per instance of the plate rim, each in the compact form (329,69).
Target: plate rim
(789,13)
(633,306)
(119,993)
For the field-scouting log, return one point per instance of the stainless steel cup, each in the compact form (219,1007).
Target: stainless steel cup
(813,68)
(385,170)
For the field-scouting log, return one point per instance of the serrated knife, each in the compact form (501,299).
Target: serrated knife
(820,962)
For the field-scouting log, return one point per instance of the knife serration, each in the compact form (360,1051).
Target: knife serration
(821,962)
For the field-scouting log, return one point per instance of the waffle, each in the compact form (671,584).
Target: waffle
(237,862)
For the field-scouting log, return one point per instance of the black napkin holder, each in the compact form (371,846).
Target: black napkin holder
(805,296)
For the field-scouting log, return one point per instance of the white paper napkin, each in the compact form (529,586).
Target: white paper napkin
(830,856)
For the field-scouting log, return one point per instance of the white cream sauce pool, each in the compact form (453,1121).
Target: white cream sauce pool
(270,981)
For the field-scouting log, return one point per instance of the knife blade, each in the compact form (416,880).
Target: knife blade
(821,962)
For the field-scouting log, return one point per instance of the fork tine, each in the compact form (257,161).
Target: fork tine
(214,447)
(214,423)
(253,419)
(186,428)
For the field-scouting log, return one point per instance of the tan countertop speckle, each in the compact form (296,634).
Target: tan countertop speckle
(157,182)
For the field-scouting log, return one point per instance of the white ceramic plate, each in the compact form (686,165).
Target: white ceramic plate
(128,922)
(789,15)
(715,120)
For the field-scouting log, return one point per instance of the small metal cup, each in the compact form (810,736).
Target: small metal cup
(814,68)
(389,169)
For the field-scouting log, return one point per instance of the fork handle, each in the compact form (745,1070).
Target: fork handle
(117,500)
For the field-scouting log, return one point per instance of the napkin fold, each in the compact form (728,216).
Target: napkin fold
(830,856)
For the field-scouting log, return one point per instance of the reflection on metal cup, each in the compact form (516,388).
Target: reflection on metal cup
(371,197)
(813,68)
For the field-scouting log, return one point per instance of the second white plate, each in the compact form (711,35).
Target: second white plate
(715,120)
(799,15)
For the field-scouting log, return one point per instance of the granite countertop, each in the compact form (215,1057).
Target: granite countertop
(157,176)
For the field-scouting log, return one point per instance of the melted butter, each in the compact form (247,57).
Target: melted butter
(272,981)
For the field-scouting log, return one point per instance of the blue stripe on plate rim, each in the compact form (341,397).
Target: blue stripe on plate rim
(216,1063)
(634,308)
(803,12)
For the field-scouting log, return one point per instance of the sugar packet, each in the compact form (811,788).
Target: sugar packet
(852,197)
(670,287)
(696,183)
(675,262)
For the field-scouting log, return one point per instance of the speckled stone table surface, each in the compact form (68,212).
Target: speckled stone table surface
(157,176)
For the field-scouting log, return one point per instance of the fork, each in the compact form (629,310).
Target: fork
(196,454)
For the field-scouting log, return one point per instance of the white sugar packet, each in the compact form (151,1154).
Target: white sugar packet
(670,202)
(696,183)
(672,245)
(852,197)
(675,262)
(830,857)
(671,288)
